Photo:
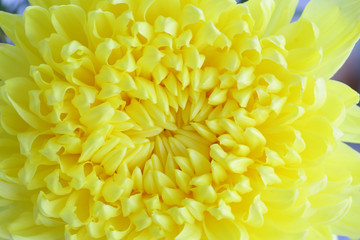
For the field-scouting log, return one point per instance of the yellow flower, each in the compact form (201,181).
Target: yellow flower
(178,119)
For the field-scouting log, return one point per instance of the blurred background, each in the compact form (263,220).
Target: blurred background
(349,73)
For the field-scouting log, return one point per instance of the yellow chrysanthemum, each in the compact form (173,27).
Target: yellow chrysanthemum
(178,119)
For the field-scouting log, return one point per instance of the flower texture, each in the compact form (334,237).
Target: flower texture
(178,119)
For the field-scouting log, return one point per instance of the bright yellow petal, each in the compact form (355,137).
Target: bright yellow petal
(13,26)
(349,96)
(69,20)
(162,8)
(24,227)
(348,159)
(282,15)
(37,24)
(261,10)
(271,15)
(350,126)
(7,23)
(13,62)
(350,224)
(338,22)
(223,229)
(190,232)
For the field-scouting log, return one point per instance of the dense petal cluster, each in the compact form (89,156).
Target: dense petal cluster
(178,119)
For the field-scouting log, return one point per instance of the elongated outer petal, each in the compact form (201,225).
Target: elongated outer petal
(347,158)
(261,10)
(12,62)
(271,15)
(13,26)
(282,14)
(7,22)
(350,126)
(338,22)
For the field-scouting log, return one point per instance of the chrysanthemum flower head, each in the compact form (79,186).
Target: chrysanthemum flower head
(178,119)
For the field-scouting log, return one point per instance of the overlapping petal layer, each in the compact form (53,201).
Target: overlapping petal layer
(178,119)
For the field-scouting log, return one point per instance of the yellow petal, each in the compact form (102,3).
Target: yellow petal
(69,21)
(304,59)
(190,232)
(37,24)
(350,126)
(300,34)
(257,209)
(261,11)
(191,14)
(327,208)
(281,15)
(338,22)
(24,227)
(7,23)
(221,229)
(320,233)
(349,96)
(348,159)
(13,191)
(349,225)
(47,3)
(213,8)
(162,8)
(13,62)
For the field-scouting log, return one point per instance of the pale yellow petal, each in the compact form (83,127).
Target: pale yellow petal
(348,95)
(348,159)
(24,227)
(13,26)
(37,24)
(349,225)
(69,21)
(13,62)
(350,126)
(338,22)
(261,11)
(281,15)
(190,232)
(221,229)
(7,23)
(162,8)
